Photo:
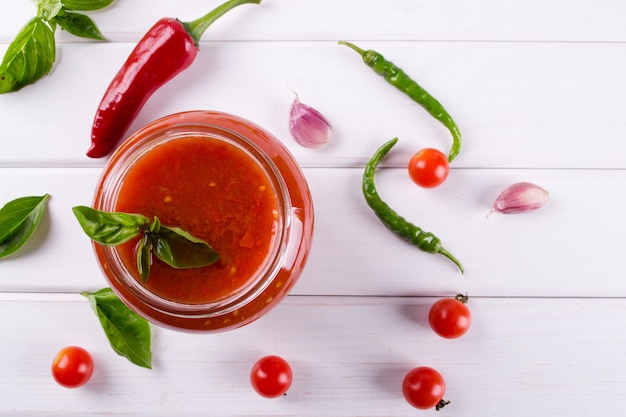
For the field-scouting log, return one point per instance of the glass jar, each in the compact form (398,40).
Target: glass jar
(184,158)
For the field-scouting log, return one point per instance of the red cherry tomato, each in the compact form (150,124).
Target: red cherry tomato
(424,388)
(450,317)
(271,376)
(429,168)
(72,367)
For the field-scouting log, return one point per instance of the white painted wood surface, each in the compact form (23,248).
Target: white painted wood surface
(539,91)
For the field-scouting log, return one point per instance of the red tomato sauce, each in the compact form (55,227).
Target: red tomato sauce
(216,192)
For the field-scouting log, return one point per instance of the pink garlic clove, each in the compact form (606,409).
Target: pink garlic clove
(307,126)
(520,198)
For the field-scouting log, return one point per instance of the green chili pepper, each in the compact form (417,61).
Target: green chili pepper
(426,241)
(399,79)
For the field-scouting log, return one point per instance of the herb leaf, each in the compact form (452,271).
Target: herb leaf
(110,228)
(18,220)
(29,57)
(127,332)
(47,9)
(78,24)
(179,249)
(144,257)
(174,246)
(86,4)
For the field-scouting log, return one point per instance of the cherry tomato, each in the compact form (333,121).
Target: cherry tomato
(429,168)
(450,317)
(271,376)
(72,367)
(424,388)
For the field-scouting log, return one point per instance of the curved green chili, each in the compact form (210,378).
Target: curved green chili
(399,79)
(426,241)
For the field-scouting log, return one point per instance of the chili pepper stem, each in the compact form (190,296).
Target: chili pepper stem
(196,28)
(353,46)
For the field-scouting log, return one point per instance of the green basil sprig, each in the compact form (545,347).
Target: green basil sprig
(32,53)
(172,245)
(127,332)
(18,220)
(29,57)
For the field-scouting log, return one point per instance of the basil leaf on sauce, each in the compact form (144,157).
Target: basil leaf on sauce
(179,249)
(18,220)
(173,245)
(144,257)
(29,57)
(78,24)
(110,228)
(127,332)
(86,4)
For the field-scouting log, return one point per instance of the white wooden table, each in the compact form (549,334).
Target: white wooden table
(538,88)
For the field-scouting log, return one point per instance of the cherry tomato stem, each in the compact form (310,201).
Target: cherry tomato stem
(462,298)
(441,404)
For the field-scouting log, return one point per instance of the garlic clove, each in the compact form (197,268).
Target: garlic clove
(307,126)
(521,197)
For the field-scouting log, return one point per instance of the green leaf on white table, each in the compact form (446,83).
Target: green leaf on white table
(109,228)
(29,57)
(32,53)
(78,24)
(127,332)
(47,9)
(86,4)
(18,220)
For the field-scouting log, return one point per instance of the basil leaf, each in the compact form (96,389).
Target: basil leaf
(128,333)
(180,249)
(29,57)
(47,9)
(86,4)
(172,245)
(110,228)
(79,25)
(18,220)
(144,257)
(155,226)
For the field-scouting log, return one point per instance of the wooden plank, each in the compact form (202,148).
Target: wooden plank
(349,356)
(571,247)
(519,105)
(531,20)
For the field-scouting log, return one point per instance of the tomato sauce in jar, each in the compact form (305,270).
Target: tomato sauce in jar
(228,182)
(217,193)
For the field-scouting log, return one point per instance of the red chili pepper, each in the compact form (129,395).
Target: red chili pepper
(168,48)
